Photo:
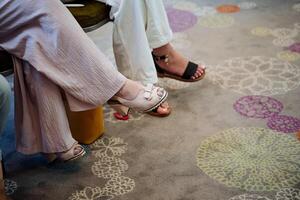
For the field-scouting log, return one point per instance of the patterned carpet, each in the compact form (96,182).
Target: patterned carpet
(231,136)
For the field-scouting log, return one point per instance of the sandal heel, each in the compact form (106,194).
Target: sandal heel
(121,109)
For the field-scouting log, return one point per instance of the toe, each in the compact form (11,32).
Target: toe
(164,109)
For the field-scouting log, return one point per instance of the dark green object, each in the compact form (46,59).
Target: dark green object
(90,17)
(6,64)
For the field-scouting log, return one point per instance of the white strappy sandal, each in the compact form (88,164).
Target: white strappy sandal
(75,152)
(149,98)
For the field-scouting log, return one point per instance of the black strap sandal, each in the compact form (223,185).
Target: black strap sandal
(190,70)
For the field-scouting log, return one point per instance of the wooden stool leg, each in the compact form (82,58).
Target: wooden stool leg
(2,195)
(2,190)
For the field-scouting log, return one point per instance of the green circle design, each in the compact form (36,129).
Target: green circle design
(217,21)
(253,159)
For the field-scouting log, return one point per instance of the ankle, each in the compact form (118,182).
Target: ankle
(163,50)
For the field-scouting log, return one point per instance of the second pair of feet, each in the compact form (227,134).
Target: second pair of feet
(175,66)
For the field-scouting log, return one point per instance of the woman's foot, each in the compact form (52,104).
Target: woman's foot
(175,64)
(139,97)
(75,152)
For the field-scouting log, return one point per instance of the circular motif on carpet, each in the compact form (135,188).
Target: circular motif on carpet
(217,21)
(283,42)
(205,11)
(295,47)
(283,123)
(109,115)
(249,197)
(90,193)
(288,56)
(288,194)
(247,5)
(10,186)
(109,167)
(256,75)
(181,20)
(296,7)
(119,185)
(187,6)
(261,31)
(228,8)
(109,146)
(258,106)
(252,159)
(284,33)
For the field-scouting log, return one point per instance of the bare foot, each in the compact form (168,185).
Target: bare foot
(175,63)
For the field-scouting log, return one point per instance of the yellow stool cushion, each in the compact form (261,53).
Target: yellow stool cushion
(86,126)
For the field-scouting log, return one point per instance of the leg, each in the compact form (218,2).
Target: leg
(159,36)
(4,102)
(131,45)
(45,34)
(41,121)
(133,25)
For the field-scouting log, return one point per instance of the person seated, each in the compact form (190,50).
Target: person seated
(53,58)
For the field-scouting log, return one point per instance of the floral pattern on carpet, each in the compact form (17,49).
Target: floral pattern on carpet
(257,106)
(256,75)
(283,194)
(252,159)
(249,197)
(264,107)
(110,167)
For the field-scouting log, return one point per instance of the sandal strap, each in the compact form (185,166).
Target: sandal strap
(164,58)
(148,92)
(190,70)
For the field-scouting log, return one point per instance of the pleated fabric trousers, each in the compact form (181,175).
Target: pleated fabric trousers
(139,27)
(52,55)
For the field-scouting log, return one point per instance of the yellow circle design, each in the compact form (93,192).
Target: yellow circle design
(217,21)
(261,31)
(252,159)
(288,56)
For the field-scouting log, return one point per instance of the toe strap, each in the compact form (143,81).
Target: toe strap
(190,70)
(148,92)
(149,89)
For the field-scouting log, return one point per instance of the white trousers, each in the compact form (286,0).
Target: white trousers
(139,26)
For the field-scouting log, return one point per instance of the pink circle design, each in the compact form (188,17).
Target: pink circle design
(283,123)
(257,106)
(295,47)
(181,20)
